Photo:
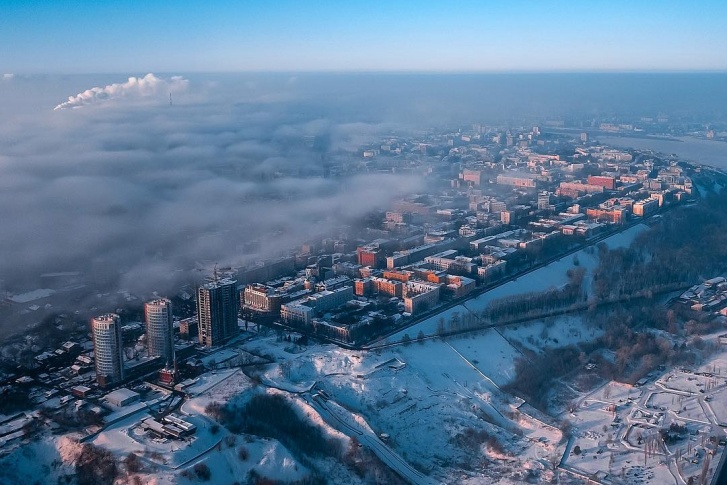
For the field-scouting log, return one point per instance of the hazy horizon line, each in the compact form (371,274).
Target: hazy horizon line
(381,71)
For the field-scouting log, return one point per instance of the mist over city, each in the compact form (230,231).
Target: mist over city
(144,187)
(150,175)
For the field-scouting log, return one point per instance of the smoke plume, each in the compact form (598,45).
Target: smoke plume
(141,87)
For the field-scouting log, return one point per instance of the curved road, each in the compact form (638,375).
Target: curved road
(343,420)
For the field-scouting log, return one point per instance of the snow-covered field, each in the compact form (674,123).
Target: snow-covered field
(438,389)
(448,391)
(718,405)
(127,436)
(43,461)
(688,383)
(489,352)
(615,423)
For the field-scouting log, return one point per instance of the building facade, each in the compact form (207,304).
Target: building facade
(217,308)
(160,329)
(188,328)
(328,300)
(107,349)
(646,207)
(523,180)
(296,313)
(386,286)
(608,183)
(260,298)
(419,296)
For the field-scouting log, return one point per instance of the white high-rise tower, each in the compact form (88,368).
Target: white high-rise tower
(159,329)
(108,349)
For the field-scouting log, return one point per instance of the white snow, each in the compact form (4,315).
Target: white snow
(551,333)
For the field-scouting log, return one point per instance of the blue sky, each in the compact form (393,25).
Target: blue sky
(184,36)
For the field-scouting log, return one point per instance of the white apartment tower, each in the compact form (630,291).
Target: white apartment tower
(159,329)
(108,349)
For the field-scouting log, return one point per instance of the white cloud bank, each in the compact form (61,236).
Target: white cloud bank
(134,196)
(135,87)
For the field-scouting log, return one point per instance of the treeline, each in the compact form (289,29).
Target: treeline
(630,272)
(637,353)
(534,304)
(95,466)
(13,400)
(690,243)
(534,377)
(272,416)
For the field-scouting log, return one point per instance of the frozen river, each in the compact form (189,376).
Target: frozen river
(707,152)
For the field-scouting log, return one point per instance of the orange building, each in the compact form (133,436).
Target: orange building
(608,183)
(402,276)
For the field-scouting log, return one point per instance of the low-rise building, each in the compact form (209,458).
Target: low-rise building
(518,179)
(459,286)
(492,271)
(420,296)
(296,313)
(608,183)
(122,397)
(261,298)
(387,287)
(615,215)
(646,207)
(363,287)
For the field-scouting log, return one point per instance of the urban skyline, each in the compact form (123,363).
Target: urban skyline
(524,237)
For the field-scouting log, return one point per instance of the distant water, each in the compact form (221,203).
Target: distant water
(707,152)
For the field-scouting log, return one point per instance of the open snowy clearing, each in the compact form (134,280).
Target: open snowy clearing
(425,389)
(553,332)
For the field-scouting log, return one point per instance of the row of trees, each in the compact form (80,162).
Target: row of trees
(518,306)
(637,352)
(273,416)
(689,244)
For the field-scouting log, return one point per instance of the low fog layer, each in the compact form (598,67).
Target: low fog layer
(116,180)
